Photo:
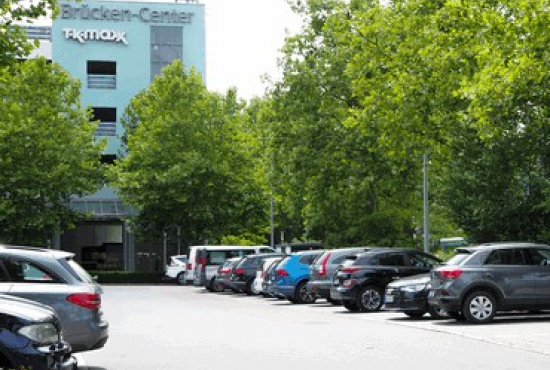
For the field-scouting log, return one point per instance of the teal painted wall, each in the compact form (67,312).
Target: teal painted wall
(132,20)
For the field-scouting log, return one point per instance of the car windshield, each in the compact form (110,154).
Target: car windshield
(181,259)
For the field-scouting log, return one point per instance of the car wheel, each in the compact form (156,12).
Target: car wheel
(414,314)
(303,295)
(370,298)
(249,289)
(350,306)
(437,312)
(180,279)
(215,286)
(479,307)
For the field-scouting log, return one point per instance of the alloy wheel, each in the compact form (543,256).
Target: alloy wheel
(371,299)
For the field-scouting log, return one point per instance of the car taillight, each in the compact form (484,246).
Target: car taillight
(189,266)
(350,270)
(450,273)
(263,274)
(281,273)
(239,271)
(86,300)
(323,267)
(349,283)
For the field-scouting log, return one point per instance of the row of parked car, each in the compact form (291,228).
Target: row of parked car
(474,284)
(50,308)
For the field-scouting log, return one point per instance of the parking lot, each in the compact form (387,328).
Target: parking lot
(175,327)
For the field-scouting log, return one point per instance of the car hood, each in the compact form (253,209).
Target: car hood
(25,309)
(411,280)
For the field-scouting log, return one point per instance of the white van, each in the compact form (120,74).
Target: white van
(204,260)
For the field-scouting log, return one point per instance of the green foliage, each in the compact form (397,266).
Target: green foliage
(246,239)
(369,86)
(190,160)
(48,151)
(14,44)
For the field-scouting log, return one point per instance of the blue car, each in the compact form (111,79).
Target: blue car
(292,275)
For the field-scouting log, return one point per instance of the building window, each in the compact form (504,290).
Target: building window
(166,46)
(107,118)
(101,74)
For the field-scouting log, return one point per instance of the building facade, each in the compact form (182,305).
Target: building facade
(116,48)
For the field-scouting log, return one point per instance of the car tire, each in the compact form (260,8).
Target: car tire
(350,306)
(480,307)
(180,279)
(370,298)
(414,314)
(303,295)
(249,289)
(214,286)
(437,312)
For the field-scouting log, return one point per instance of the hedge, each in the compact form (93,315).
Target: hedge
(127,277)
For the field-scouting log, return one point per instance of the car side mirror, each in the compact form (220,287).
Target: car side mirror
(94,278)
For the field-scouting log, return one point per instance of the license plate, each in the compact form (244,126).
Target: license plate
(389,299)
(431,294)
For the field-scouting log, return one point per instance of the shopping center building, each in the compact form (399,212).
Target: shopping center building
(116,48)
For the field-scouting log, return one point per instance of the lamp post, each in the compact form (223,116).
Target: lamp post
(272,219)
(425,208)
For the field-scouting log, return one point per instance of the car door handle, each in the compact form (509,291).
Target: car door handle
(489,275)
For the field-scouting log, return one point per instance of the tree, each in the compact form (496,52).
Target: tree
(328,175)
(190,161)
(468,82)
(48,151)
(14,43)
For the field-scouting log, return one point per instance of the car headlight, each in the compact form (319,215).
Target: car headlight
(414,288)
(42,333)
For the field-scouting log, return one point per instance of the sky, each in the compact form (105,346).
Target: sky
(243,39)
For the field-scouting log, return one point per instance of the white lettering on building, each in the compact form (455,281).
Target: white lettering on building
(98,35)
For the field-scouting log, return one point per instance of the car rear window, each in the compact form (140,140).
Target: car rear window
(78,272)
(283,262)
(457,259)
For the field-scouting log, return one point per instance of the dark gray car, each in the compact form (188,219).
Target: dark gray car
(480,281)
(53,278)
(323,268)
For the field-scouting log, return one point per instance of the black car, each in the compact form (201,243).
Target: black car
(361,286)
(223,276)
(31,337)
(410,296)
(477,282)
(244,273)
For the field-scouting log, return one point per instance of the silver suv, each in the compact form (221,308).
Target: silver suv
(53,278)
(477,282)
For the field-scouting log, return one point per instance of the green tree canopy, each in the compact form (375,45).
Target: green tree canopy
(48,151)
(14,43)
(190,160)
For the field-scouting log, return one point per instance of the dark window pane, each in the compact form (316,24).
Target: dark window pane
(104,114)
(97,67)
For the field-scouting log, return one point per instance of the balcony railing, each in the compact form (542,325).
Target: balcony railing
(104,82)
